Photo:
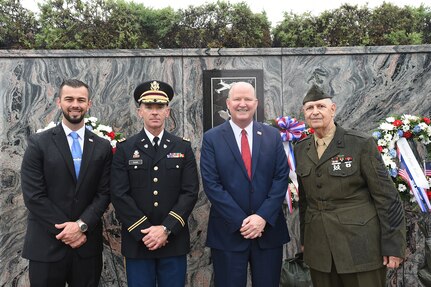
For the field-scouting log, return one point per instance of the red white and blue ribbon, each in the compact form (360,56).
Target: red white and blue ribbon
(290,130)
(411,172)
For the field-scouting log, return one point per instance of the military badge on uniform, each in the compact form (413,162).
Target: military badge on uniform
(136,154)
(341,161)
(175,155)
(136,162)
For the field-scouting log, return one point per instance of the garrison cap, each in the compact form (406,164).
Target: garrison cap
(315,94)
(153,92)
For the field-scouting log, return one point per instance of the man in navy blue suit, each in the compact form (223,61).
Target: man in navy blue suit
(246,221)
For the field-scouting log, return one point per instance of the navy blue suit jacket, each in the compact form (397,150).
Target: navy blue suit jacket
(234,196)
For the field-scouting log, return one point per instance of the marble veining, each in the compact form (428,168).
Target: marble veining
(368,83)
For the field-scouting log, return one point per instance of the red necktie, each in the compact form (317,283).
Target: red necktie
(245,152)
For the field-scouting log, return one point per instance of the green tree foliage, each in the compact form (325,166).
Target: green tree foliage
(297,31)
(18,26)
(345,26)
(223,24)
(392,25)
(356,26)
(123,24)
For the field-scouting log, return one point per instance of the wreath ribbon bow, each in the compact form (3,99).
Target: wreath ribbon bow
(290,128)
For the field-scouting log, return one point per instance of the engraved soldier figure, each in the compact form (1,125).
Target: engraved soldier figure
(154,186)
(351,218)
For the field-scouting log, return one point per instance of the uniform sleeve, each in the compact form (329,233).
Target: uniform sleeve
(125,206)
(386,199)
(178,215)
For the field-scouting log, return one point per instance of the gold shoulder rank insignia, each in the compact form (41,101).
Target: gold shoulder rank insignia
(186,139)
(121,140)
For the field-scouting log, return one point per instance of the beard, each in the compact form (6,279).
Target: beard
(73,120)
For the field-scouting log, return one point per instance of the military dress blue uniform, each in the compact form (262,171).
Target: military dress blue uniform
(153,187)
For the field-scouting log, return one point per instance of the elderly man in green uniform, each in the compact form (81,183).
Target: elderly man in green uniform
(351,218)
(154,186)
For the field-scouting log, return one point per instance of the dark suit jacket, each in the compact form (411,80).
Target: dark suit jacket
(52,194)
(350,211)
(154,188)
(234,196)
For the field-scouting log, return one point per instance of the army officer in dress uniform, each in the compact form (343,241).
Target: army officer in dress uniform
(154,185)
(351,218)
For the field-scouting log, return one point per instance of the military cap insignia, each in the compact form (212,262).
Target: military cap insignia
(155,86)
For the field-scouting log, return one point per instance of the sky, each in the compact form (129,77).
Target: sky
(273,8)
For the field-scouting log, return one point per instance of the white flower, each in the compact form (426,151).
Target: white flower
(423,126)
(50,125)
(387,137)
(391,144)
(104,128)
(294,192)
(406,128)
(401,187)
(390,119)
(381,142)
(388,160)
(386,127)
(409,118)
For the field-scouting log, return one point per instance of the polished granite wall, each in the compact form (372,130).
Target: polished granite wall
(368,83)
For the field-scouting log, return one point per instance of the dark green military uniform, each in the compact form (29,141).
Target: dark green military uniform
(350,211)
(152,187)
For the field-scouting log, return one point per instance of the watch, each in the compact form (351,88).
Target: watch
(166,230)
(82,225)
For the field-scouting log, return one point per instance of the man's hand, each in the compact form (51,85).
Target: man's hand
(392,261)
(252,226)
(71,234)
(155,237)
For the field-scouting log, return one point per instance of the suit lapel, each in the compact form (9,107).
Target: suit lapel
(231,142)
(87,154)
(257,140)
(60,140)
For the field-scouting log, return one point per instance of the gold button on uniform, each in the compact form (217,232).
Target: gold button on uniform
(156,168)
(155,192)
(177,166)
(155,179)
(135,167)
(156,204)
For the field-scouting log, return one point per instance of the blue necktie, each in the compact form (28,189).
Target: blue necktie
(76,152)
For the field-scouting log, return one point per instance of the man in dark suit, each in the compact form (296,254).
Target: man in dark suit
(245,176)
(66,202)
(154,188)
(351,218)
